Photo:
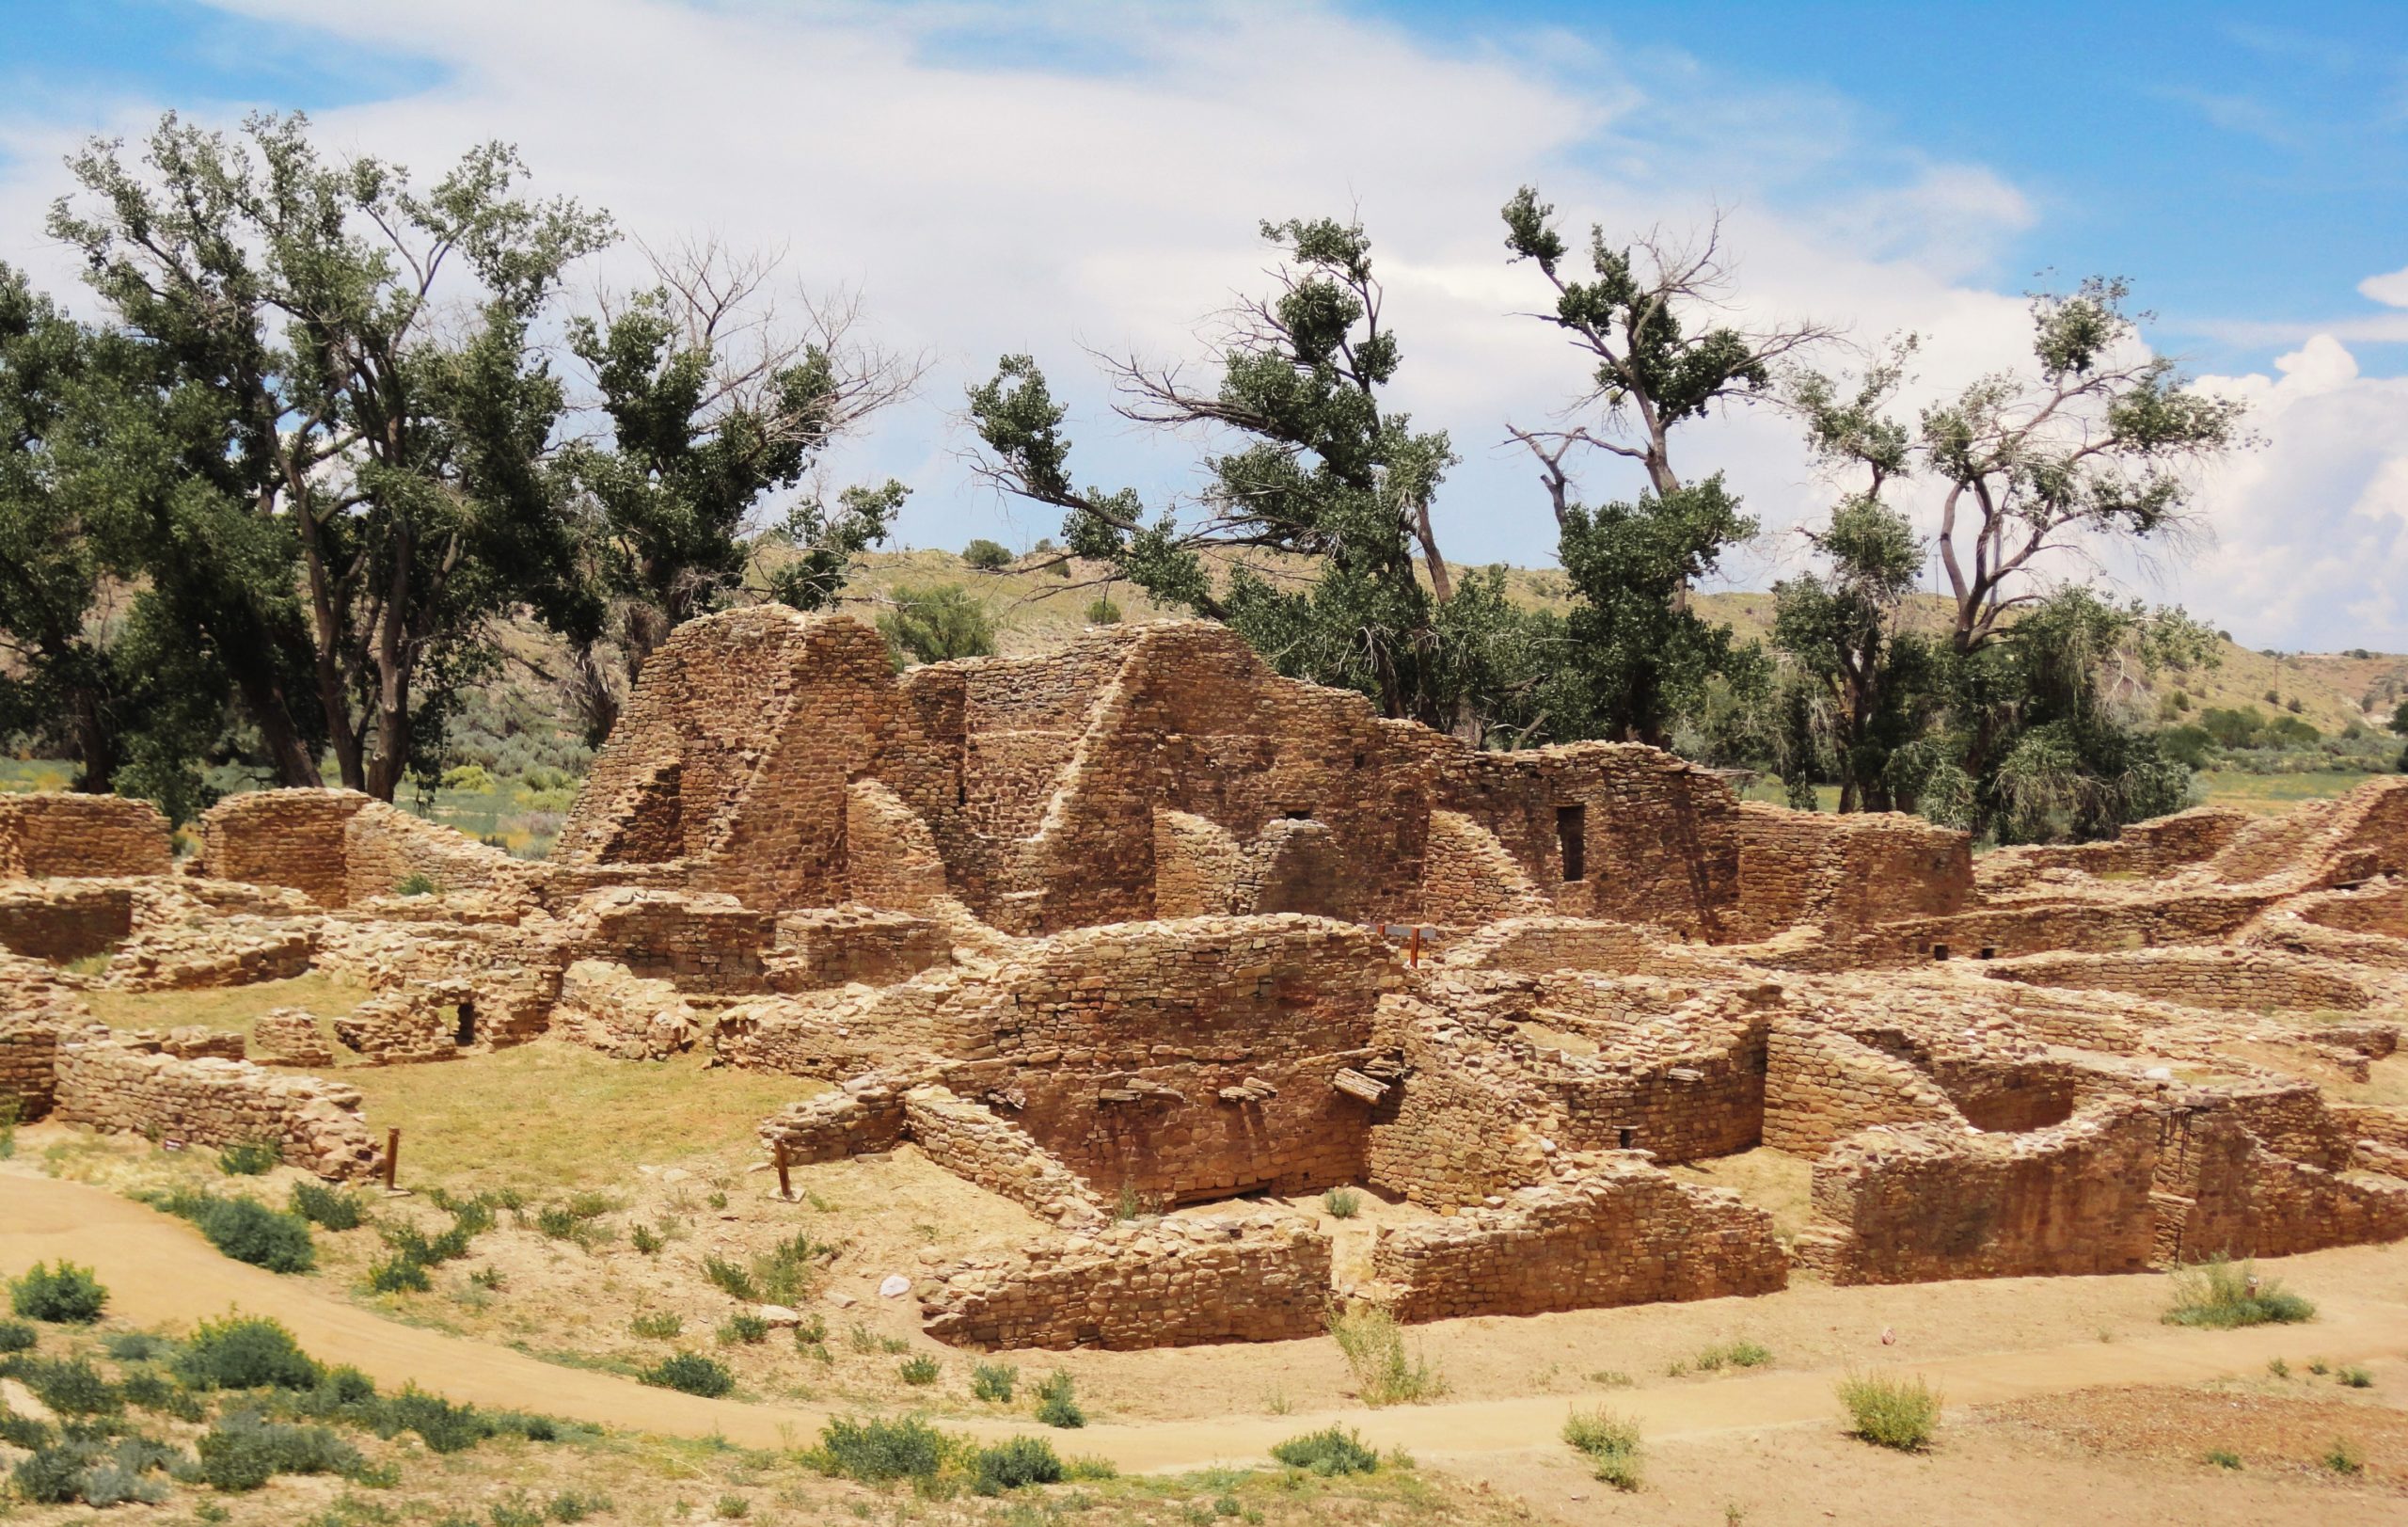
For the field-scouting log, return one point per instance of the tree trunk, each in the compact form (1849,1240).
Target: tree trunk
(95,745)
(264,697)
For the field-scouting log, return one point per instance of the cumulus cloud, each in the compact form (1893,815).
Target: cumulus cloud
(2390,289)
(1069,175)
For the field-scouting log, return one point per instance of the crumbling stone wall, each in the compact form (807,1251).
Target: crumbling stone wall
(1821,1087)
(699,943)
(385,848)
(1619,1234)
(163,956)
(824,946)
(1843,873)
(315,1124)
(1162,1282)
(64,920)
(290,1037)
(29,1065)
(2139,849)
(2248,980)
(1917,1203)
(975,1145)
(49,833)
(2224,1189)
(283,837)
(604,1005)
(863,1117)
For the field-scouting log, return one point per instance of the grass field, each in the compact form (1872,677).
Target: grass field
(2272,794)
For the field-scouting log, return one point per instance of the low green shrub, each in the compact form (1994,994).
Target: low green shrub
(249,1158)
(64,1295)
(1014,1464)
(16,1336)
(2224,1458)
(1342,1202)
(2343,1458)
(743,1330)
(1373,1346)
(330,1208)
(656,1324)
(691,1372)
(878,1449)
(1056,1402)
(70,1385)
(1889,1411)
(246,1352)
(1327,1453)
(1609,1443)
(398,1274)
(1733,1355)
(732,1280)
(245,1230)
(136,1347)
(243,1452)
(2221,1294)
(993,1382)
(52,1475)
(2355,1377)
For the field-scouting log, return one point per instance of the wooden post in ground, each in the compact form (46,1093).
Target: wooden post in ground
(393,1156)
(786,1188)
(1413,947)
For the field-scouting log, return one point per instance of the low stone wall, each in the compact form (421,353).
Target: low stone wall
(822,947)
(1620,1234)
(2143,849)
(1541,945)
(50,833)
(1914,1205)
(2015,930)
(385,848)
(603,1006)
(1843,872)
(314,1125)
(2248,980)
(861,1117)
(64,920)
(980,1146)
(234,951)
(1163,1283)
(705,943)
(2223,1193)
(282,838)
(30,1066)
(1821,1087)
(290,1037)
(397,1029)
(830,1035)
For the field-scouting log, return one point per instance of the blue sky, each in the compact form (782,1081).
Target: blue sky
(1069,174)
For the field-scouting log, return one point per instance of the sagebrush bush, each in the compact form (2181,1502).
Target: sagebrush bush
(16,1336)
(136,1347)
(919,1372)
(330,1208)
(243,1452)
(246,1352)
(1014,1464)
(656,1325)
(1733,1355)
(1056,1402)
(993,1382)
(1373,1346)
(246,1230)
(2220,1294)
(1894,1413)
(71,1387)
(248,1158)
(52,1475)
(692,1374)
(398,1274)
(1327,1453)
(878,1449)
(1609,1443)
(64,1295)
(742,1330)
(1342,1202)
(986,555)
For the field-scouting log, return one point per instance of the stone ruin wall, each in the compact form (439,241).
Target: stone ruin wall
(1612,1236)
(118,1089)
(1162,1282)
(2225,978)
(64,920)
(292,837)
(977,1146)
(48,833)
(1844,873)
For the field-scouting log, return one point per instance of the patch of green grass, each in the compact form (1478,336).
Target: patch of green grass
(993,1382)
(1056,1404)
(656,1325)
(1733,1355)
(743,1330)
(2218,1295)
(330,1208)
(1609,1443)
(1891,1412)
(1329,1452)
(2224,1458)
(2355,1378)
(2343,1458)
(249,1158)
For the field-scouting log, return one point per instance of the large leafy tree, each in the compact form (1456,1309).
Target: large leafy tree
(1319,466)
(718,404)
(367,423)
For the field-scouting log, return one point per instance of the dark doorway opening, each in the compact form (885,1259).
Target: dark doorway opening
(464,1033)
(1572,837)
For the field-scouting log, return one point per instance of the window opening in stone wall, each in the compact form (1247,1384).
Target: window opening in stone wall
(1572,837)
(1298,813)
(464,1032)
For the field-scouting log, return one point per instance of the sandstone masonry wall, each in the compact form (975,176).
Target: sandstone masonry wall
(283,837)
(63,920)
(46,833)
(315,1124)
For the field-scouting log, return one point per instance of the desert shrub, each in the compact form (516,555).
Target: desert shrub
(1889,1411)
(732,1508)
(2355,1378)
(16,1336)
(1373,1346)
(417,882)
(879,1449)
(153,1390)
(1056,1404)
(2221,1294)
(52,1475)
(656,1325)
(248,1158)
(2224,1458)
(1103,612)
(1733,1355)
(1326,1453)
(691,1372)
(2343,1456)
(1342,1202)
(1015,1463)
(556,1221)
(732,1281)
(1609,1443)
(644,1239)
(64,1295)
(570,1505)
(986,555)
(791,1271)
(246,1352)
(443,1426)
(398,1274)
(994,1382)
(246,1230)
(136,1347)
(22,1431)
(747,1330)
(243,1452)
(331,1207)
(918,1372)
(72,1386)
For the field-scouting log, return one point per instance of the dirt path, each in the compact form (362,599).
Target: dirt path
(159,1271)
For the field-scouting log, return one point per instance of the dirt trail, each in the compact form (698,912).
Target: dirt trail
(159,1271)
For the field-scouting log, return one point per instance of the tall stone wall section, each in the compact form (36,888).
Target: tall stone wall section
(1821,1087)
(284,837)
(1618,1234)
(1162,1283)
(314,1125)
(64,920)
(47,832)
(1843,873)
(975,1145)
(385,848)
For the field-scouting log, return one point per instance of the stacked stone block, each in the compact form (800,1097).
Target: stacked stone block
(50,833)
(314,1125)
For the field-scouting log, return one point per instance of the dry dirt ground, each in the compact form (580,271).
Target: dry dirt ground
(2101,1405)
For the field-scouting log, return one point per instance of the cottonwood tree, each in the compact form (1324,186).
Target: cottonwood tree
(719,398)
(1321,467)
(360,349)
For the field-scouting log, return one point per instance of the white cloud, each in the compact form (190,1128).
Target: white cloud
(986,195)
(2390,289)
